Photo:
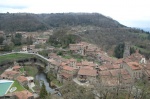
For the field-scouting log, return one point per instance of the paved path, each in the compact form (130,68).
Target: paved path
(27,53)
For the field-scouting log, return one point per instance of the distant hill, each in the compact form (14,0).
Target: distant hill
(34,22)
(92,27)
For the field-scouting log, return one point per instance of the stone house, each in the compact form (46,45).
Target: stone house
(134,69)
(31,47)
(41,40)
(25,94)
(67,73)
(2,33)
(9,75)
(72,62)
(22,80)
(24,48)
(85,75)
(146,71)
(16,68)
(77,48)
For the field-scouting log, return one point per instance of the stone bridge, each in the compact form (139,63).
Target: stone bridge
(39,61)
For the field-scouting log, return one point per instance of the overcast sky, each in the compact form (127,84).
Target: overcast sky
(133,13)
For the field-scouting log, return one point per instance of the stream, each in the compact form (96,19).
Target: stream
(41,77)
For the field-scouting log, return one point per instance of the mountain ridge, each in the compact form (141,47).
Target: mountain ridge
(34,22)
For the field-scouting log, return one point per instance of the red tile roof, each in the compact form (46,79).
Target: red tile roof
(127,77)
(124,72)
(92,65)
(85,63)
(66,75)
(10,73)
(22,79)
(87,72)
(104,73)
(16,67)
(87,67)
(134,65)
(68,68)
(116,72)
(63,63)
(72,60)
(79,64)
(109,66)
(102,68)
(116,66)
(23,94)
(119,61)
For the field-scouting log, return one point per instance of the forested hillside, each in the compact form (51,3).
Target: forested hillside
(34,22)
(92,27)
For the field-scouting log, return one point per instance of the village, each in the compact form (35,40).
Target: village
(102,68)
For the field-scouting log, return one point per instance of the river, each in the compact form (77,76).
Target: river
(41,77)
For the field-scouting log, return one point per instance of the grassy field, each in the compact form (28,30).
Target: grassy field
(31,70)
(15,56)
(57,83)
(19,87)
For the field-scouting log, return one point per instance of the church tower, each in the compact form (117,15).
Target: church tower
(126,50)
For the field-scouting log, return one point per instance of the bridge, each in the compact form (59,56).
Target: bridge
(47,68)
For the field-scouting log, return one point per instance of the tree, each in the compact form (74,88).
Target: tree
(8,46)
(17,39)
(70,90)
(43,92)
(29,40)
(132,50)
(148,37)
(1,39)
(119,49)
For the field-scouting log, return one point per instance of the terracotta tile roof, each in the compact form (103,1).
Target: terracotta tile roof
(92,64)
(23,94)
(16,67)
(109,66)
(22,79)
(127,77)
(72,60)
(9,73)
(116,66)
(54,62)
(68,68)
(87,72)
(66,75)
(87,67)
(124,72)
(85,63)
(104,73)
(134,65)
(79,64)
(117,72)
(102,68)
(114,72)
(126,60)
(63,63)
(119,61)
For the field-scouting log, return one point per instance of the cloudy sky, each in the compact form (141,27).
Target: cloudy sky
(133,13)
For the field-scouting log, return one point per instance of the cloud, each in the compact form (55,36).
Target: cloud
(12,7)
